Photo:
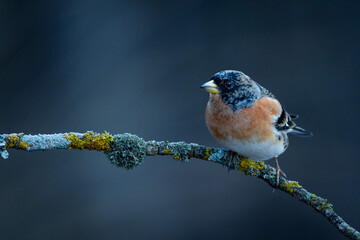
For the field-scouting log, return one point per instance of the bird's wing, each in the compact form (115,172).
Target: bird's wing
(284,123)
(294,116)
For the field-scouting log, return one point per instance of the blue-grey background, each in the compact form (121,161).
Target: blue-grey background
(136,66)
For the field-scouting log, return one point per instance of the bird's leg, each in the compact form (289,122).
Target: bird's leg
(278,171)
(229,156)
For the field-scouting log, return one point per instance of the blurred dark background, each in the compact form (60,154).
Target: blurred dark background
(136,66)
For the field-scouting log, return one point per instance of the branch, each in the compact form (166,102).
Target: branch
(129,151)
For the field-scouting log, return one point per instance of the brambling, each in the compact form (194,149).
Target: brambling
(247,119)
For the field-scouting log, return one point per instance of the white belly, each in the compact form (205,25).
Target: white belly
(255,150)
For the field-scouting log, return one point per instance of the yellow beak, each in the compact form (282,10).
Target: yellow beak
(211,87)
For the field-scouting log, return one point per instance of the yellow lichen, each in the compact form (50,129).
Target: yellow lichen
(326,205)
(290,185)
(313,196)
(177,157)
(76,143)
(207,153)
(23,145)
(13,141)
(245,164)
(167,151)
(90,141)
(154,154)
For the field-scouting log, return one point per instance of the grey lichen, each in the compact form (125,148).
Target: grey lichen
(217,156)
(180,151)
(127,151)
(4,154)
(46,141)
(152,148)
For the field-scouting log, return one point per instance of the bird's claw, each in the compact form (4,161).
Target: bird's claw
(282,173)
(278,172)
(230,155)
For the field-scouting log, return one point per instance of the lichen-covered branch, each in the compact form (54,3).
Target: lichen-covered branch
(128,151)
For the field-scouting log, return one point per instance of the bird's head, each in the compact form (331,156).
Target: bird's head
(236,89)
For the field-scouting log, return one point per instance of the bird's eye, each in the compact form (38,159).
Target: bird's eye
(228,84)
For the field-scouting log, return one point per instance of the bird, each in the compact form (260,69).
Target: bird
(248,119)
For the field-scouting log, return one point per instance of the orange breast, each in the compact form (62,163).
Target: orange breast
(254,123)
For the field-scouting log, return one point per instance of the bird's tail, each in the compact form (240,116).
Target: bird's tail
(298,131)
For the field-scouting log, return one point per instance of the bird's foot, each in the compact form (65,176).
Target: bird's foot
(278,172)
(230,155)
(282,173)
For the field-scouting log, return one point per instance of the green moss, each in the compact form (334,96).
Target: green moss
(290,186)
(90,141)
(127,151)
(250,167)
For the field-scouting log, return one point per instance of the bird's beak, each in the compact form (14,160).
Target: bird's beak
(210,86)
